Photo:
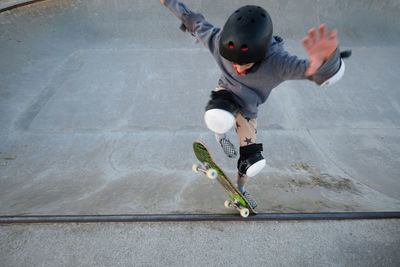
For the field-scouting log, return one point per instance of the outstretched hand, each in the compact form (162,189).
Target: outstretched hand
(319,48)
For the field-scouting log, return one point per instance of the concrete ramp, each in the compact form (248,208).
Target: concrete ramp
(100,101)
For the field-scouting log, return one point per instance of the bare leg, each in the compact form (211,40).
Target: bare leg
(246,130)
(247,134)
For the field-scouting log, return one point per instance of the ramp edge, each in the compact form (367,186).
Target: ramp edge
(197,217)
(15,4)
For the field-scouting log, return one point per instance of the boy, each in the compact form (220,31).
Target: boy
(253,62)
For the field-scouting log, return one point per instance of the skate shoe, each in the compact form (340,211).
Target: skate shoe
(228,147)
(251,200)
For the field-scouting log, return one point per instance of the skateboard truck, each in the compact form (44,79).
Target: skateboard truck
(208,171)
(244,212)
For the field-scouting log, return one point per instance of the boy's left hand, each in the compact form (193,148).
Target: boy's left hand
(319,48)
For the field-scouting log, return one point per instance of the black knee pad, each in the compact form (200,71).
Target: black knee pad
(251,162)
(224,100)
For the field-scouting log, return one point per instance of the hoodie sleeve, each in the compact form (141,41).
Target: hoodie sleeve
(289,67)
(195,24)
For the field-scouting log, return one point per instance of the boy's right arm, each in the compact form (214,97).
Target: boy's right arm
(194,23)
(179,9)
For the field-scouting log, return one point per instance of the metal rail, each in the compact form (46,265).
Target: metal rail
(198,217)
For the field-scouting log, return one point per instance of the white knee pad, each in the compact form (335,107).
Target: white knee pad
(254,169)
(219,120)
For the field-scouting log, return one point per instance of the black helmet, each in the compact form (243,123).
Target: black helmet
(246,35)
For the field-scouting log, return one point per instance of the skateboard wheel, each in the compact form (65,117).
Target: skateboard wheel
(195,167)
(212,174)
(244,212)
(228,204)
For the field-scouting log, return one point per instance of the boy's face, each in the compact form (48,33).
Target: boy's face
(241,68)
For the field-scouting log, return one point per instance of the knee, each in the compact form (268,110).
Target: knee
(251,162)
(221,112)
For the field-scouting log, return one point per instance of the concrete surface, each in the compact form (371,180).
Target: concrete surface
(337,243)
(100,101)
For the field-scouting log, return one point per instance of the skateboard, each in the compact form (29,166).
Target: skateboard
(213,171)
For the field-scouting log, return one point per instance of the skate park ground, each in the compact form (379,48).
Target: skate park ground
(101,100)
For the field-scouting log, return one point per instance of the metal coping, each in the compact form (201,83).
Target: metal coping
(20,4)
(197,217)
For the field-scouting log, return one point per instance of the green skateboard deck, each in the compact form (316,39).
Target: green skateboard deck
(213,171)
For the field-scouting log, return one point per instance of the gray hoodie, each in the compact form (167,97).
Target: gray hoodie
(252,89)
